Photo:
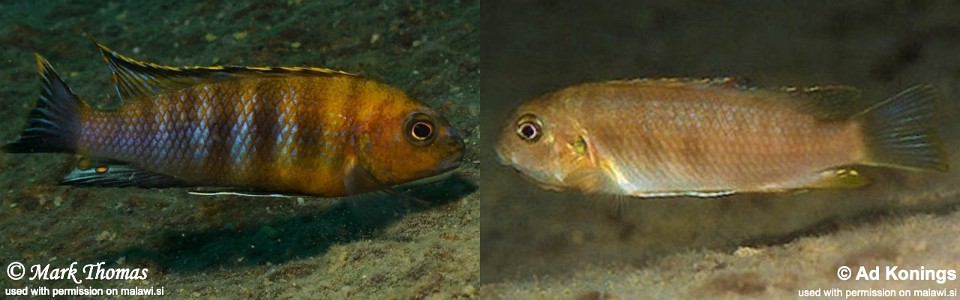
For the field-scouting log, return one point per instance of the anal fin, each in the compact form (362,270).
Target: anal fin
(838,178)
(107,173)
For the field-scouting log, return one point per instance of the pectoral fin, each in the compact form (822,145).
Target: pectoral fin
(358,180)
(697,194)
(236,191)
(710,194)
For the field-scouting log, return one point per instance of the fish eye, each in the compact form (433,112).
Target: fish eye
(528,131)
(528,128)
(419,129)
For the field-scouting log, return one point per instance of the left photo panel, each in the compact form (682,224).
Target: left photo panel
(293,149)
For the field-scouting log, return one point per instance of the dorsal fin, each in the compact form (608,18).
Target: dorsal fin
(829,102)
(136,79)
(732,82)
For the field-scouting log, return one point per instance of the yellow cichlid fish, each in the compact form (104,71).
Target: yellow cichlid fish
(674,137)
(257,130)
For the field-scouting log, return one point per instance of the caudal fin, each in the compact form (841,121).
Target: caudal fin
(900,132)
(54,124)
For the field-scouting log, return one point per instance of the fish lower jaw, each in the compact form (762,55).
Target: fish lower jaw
(551,187)
(558,185)
(450,163)
(429,179)
(504,159)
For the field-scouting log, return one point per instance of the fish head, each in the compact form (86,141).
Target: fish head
(542,141)
(410,143)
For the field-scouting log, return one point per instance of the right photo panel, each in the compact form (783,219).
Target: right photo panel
(691,149)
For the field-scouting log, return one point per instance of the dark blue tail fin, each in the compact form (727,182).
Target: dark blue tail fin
(54,124)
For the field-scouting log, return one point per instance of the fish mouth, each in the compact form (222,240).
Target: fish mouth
(501,158)
(454,160)
(450,163)
(445,168)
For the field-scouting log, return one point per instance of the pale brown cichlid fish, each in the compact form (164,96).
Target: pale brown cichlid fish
(713,137)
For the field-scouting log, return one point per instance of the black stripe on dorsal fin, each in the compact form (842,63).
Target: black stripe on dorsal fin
(137,80)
